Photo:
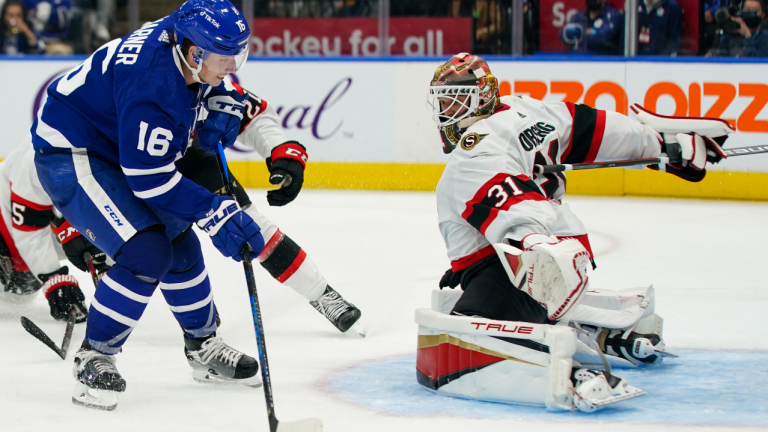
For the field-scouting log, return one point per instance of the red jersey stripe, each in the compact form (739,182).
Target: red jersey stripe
(597,137)
(34,206)
(464,262)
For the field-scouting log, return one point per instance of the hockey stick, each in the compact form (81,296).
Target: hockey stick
(548,169)
(38,333)
(306,425)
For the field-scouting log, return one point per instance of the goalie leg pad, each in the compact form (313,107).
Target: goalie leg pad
(509,362)
(615,309)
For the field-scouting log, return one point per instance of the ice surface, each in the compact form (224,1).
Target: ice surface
(383,252)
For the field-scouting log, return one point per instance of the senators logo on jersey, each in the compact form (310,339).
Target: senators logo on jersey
(470,140)
(534,135)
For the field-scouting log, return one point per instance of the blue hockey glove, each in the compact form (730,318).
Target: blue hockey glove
(225,112)
(230,228)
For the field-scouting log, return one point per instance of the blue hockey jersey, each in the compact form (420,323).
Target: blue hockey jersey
(128,105)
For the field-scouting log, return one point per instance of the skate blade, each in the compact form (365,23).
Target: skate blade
(306,425)
(593,405)
(356,330)
(93,398)
(666,354)
(205,377)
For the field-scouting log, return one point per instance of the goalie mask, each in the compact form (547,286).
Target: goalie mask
(462,92)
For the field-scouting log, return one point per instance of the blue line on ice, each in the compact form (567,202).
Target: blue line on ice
(700,387)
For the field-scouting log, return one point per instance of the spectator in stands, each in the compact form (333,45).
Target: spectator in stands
(708,29)
(660,27)
(50,19)
(16,36)
(598,30)
(755,38)
(89,28)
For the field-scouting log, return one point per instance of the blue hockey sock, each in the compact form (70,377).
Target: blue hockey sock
(187,289)
(123,293)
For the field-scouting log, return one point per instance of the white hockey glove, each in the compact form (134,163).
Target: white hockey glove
(690,142)
(557,272)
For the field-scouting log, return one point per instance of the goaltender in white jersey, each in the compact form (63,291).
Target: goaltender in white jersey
(522,257)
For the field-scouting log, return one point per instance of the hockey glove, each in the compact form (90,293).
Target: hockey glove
(689,156)
(286,168)
(230,228)
(75,246)
(63,293)
(690,142)
(225,111)
(557,272)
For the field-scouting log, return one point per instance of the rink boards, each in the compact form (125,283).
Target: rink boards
(366,125)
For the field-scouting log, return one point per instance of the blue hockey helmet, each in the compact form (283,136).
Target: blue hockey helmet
(217,29)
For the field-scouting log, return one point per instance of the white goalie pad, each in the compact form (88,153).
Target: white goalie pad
(616,309)
(628,310)
(499,361)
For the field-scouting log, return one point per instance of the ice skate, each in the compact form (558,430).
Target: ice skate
(635,347)
(595,389)
(99,384)
(339,312)
(214,361)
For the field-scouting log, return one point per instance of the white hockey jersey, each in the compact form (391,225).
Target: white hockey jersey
(260,127)
(26,214)
(489,191)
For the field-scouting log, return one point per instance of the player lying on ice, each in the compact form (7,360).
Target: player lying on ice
(107,141)
(30,254)
(525,329)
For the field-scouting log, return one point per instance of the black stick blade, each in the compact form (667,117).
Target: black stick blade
(71,317)
(40,335)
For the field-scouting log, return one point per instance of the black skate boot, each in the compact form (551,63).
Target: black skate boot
(212,360)
(98,382)
(339,312)
(638,348)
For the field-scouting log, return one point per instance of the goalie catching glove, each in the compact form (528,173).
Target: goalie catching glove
(286,168)
(689,142)
(63,293)
(556,271)
(231,228)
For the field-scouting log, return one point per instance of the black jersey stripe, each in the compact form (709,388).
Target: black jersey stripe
(584,124)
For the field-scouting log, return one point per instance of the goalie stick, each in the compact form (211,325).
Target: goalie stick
(306,425)
(548,169)
(40,335)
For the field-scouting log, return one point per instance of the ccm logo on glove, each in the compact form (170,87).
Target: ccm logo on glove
(216,217)
(65,232)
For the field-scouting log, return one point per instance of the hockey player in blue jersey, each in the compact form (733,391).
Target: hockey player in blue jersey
(106,141)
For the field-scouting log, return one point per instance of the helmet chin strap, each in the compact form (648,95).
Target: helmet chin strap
(194,72)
